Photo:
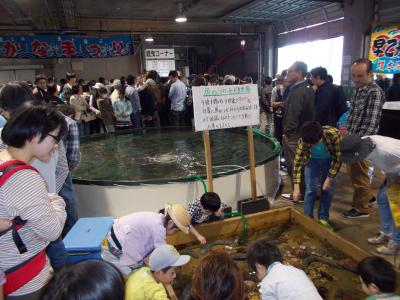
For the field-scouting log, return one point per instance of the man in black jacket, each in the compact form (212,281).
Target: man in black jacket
(330,101)
(40,90)
(298,109)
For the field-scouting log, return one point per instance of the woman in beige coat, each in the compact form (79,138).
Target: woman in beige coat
(81,108)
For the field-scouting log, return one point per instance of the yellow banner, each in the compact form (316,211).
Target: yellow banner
(385,48)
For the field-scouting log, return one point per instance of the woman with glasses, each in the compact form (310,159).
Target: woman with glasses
(38,217)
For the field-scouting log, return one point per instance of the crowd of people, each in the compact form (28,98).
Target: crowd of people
(40,147)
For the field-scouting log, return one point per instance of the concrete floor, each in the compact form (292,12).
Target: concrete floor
(354,230)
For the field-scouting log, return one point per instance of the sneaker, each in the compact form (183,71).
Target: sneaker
(289,197)
(372,201)
(380,239)
(325,224)
(354,214)
(390,249)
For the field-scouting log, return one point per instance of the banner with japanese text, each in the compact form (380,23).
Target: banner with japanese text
(385,48)
(64,46)
(225,106)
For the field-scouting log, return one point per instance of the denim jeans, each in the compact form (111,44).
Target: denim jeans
(136,119)
(385,215)
(315,173)
(67,193)
(57,254)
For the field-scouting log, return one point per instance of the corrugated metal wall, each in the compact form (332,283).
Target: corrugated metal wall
(305,28)
(388,10)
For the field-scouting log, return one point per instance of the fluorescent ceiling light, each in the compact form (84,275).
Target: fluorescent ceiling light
(180,19)
(149,39)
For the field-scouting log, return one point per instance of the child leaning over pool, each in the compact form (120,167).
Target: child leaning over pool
(208,209)
(133,237)
(147,283)
(378,278)
(278,281)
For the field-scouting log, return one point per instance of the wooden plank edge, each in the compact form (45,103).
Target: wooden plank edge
(233,226)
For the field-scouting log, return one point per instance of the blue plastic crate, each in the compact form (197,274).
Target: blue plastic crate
(84,240)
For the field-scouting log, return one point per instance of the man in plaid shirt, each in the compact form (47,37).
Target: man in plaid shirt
(71,143)
(318,151)
(364,117)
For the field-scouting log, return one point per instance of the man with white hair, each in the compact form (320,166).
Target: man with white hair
(150,117)
(298,109)
(115,94)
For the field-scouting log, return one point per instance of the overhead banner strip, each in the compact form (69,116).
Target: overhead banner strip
(64,46)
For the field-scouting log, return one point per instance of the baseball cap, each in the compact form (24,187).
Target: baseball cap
(98,85)
(355,149)
(166,256)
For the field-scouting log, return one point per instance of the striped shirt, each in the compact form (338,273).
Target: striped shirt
(366,110)
(54,171)
(331,137)
(25,195)
(2,278)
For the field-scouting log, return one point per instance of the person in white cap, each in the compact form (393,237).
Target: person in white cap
(147,283)
(133,237)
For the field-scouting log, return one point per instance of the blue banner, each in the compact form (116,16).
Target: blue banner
(64,46)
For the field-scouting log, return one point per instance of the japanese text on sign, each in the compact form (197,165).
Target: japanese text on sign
(218,107)
(160,53)
(51,46)
(385,48)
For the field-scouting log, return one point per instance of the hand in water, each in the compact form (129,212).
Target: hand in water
(202,239)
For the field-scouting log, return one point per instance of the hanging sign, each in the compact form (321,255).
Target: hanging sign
(64,46)
(385,48)
(225,106)
(160,53)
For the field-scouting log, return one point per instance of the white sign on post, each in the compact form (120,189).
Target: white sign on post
(225,106)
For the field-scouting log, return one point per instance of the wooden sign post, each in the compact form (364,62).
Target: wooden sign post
(207,151)
(219,107)
(252,164)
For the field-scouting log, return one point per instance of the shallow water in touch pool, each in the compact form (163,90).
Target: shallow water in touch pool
(169,153)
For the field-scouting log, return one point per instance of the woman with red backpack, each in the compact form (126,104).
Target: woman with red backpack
(37,216)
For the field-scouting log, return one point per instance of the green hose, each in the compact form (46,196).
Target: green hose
(243,239)
(199,178)
(276,144)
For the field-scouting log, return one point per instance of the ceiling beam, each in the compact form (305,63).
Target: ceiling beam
(69,14)
(239,9)
(332,1)
(14,10)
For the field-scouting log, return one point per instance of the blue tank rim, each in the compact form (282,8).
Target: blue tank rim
(275,153)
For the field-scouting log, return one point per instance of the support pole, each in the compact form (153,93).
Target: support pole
(252,163)
(207,151)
